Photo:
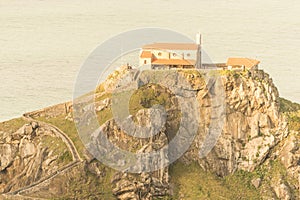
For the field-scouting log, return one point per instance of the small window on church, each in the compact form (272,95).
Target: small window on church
(174,54)
(145,62)
(188,54)
(159,54)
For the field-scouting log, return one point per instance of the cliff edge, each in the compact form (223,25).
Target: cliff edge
(256,155)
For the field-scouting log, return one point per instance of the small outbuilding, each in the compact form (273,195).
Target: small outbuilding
(242,63)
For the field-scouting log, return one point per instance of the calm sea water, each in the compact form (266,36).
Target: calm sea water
(43,43)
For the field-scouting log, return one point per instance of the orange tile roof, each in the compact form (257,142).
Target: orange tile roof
(247,62)
(146,54)
(173,62)
(171,46)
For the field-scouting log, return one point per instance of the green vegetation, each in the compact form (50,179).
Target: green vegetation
(85,184)
(294,121)
(104,115)
(273,173)
(101,186)
(193,183)
(53,144)
(12,125)
(190,72)
(102,96)
(67,127)
(234,73)
(278,170)
(100,88)
(292,112)
(288,106)
(65,157)
(154,94)
(188,181)
(58,147)
(148,96)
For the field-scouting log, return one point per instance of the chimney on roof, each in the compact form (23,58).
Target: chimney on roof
(199,54)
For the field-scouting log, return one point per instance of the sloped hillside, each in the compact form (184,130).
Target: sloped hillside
(256,155)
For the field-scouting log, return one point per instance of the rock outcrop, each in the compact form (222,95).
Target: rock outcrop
(143,185)
(252,126)
(28,155)
(239,127)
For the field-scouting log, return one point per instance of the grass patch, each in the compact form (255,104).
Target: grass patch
(288,106)
(271,174)
(65,157)
(148,96)
(294,121)
(102,96)
(100,88)
(67,127)
(97,187)
(104,115)
(12,125)
(153,94)
(58,147)
(52,143)
(87,185)
(292,111)
(234,73)
(193,183)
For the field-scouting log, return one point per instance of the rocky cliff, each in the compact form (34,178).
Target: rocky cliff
(256,155)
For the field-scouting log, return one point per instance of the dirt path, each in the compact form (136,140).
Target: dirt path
(47,178)
(76,159)
(65,138)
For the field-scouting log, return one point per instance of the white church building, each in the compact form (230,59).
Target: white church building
(171,55)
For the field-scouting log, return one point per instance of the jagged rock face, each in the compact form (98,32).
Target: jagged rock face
(144,185)
(251,126)
(252,129)
(25,157)
(139,186)
(290,152)
(289,156)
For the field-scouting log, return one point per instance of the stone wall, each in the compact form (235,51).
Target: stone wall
(52,111)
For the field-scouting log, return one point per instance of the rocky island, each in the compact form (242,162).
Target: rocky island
(257,155)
